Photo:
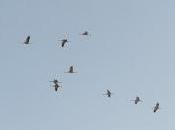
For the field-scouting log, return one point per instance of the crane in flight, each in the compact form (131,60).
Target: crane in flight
(71,70)
(137,100)
(55,84)
(63,42)
(85,33)
(108,93)
(156,107)
(55,81)
(27,41)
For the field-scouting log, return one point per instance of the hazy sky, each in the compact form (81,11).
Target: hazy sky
(131,51)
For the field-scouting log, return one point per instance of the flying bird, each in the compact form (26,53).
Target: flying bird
(27,40)
(55,81)
(71,70)
(137,99)
(86,33)
(56,86)
(63,42)
(156,107)
(108,93)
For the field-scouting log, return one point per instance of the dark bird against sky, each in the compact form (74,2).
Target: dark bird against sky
(56,86)
(137,100)
(55,81)
(63,42)
(108,93)
(86,33)
(71,70)
(156,107)
(27,41)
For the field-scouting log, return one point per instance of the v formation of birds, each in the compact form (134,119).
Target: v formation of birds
(56,83)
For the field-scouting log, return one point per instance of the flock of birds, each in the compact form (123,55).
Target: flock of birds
(56,84)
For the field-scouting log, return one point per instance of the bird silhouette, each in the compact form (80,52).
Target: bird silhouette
(137,99)
(156,107)
(27,41)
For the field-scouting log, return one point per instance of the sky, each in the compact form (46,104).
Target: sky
(130,51)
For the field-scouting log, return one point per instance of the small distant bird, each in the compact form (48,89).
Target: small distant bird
(71,70)
(108,93)
(56,86)
(63,42)
(86,33)
(137,99)
(156,107)
(27,40)
(55,81)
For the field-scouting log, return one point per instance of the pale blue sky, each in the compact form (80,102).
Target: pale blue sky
(131,51)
